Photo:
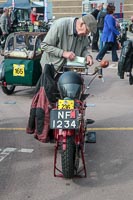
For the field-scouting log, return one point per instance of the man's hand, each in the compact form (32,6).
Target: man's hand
(69,55)
(89,60)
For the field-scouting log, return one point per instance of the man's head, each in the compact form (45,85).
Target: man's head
(5,10)
(99,6)
(86,24)
(34,9)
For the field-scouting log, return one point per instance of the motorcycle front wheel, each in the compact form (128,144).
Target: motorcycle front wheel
(68,158)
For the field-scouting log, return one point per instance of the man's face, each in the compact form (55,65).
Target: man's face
(82,29)
(34,9)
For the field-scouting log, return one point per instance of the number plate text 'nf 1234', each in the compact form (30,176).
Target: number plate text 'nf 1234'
(64,119)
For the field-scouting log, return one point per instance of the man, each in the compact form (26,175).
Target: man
(100,23)
(66,39)
(34,15)
(4,25)
(96,35)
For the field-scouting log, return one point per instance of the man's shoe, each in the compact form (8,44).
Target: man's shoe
(99,60)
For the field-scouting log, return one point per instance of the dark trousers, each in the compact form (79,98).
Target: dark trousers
(106,47)
(95,40)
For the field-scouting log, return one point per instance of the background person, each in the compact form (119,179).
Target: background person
(34,15)
(109,36)
(96,35)
(100,23)
(5,26)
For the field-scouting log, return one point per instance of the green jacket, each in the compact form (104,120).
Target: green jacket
(60,38)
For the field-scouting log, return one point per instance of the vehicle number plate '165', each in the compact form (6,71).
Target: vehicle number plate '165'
(64,119)
(18,70)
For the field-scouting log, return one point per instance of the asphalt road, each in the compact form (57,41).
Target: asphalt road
(26,165)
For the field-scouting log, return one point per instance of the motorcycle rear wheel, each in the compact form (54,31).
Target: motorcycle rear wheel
(68,158)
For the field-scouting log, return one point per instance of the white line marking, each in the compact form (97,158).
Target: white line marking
(3,157)
(7,151)
(26,150)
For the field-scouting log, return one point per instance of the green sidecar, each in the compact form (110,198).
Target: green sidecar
(21,64)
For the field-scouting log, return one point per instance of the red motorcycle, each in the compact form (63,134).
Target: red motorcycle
(68,122)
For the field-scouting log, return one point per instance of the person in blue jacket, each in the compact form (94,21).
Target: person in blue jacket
(109,36)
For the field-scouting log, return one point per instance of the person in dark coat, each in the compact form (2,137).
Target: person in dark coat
(100,24)
(96,35)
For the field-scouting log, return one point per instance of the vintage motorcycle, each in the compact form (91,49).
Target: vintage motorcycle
(68,122)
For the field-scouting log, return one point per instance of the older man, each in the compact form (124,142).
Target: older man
(66,39)
(4,25)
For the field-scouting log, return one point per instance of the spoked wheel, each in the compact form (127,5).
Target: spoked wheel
(68,158)
(9,89)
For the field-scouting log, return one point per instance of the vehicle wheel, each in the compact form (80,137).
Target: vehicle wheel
(9,89)
(68,158)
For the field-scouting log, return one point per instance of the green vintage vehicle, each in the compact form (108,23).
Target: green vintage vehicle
(21,64)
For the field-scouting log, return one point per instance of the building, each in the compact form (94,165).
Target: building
(62,8)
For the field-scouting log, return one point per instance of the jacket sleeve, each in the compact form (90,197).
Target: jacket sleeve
(51,41)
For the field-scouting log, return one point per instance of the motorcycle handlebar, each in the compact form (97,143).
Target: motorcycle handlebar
(97,70)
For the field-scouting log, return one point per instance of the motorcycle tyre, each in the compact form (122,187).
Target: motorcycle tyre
(8,89)
(68,158)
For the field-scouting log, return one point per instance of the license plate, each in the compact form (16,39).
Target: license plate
(64,119)
(18,70)
(65,104)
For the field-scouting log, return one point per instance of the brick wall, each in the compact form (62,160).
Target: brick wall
(62,8)
(128,9)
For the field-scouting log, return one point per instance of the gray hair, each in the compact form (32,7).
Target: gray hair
(5,9)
